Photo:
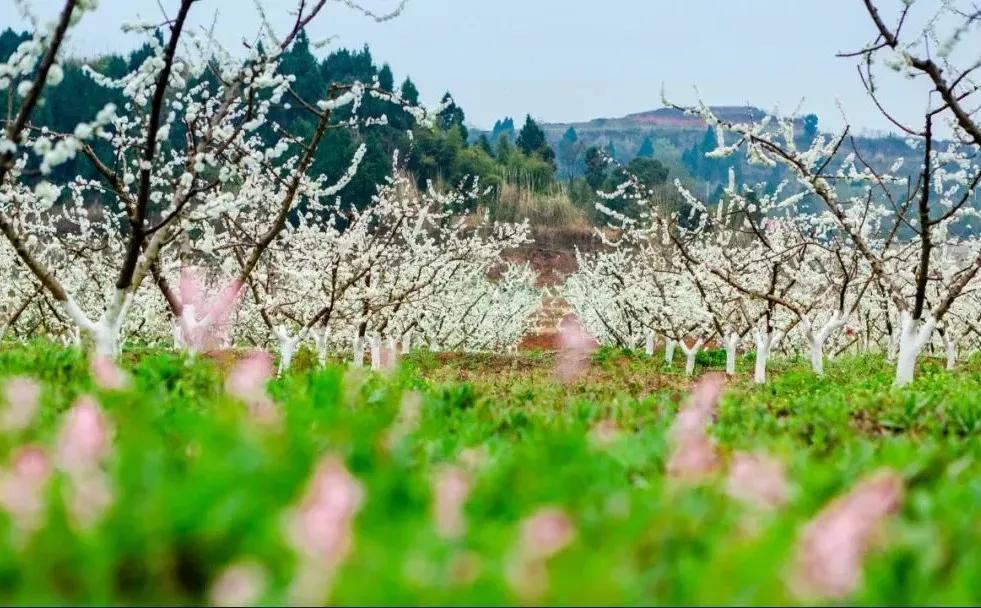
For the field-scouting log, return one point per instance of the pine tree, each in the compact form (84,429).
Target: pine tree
(646,149)
(409,92)
(385,78)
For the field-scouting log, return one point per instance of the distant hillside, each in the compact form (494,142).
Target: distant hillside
(679,141)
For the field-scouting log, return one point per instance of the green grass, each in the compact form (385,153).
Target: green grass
(199,484)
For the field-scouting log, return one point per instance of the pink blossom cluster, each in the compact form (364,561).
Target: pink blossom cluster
(543,535)
(320,528)
(831,549)
(83,446)
(694,454)
(451,486)
(575,347)
(247,381)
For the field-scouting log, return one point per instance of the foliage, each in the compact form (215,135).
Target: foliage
(199,484)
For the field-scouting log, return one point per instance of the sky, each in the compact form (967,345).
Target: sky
(569,60)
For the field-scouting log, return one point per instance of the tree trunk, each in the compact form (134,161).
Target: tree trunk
(690,354)
(764,341)
(732,344)
(376,360)
(320,339)
(913,336)
(669,352)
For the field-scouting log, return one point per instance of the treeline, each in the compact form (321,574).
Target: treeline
(440,154)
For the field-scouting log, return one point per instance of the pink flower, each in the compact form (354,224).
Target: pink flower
(107,374)
(694,453)
(450,489)
(693,457)
(22,396)
(83,441)
(320,526)
(248,377)
(319,529)
(241,584)
(22,487)
(833,544)
(82,447)
(545,533)
(575,347)
(758,480)
(204,322)
(703,402)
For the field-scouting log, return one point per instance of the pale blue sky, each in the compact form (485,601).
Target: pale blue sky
(570,60)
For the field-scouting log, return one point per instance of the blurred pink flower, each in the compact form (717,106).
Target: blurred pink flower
(106,374)
(22,487)
(22,396)
(703,402)
(830,550)
(758,480)
(575,347)
(693,457)
(319,529)
(451,486)
(240,584)
(82,447)
(545,533)
(83,441)
(205,317)
(320,526)
(248,377)
(693,453)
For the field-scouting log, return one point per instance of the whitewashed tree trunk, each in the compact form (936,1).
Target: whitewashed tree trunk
(288,345)
(913,336)
(732,344)
(391,360)
(649,344)
(819,339)
(764,344)
(407,343)
(376,360)
(950,348)
(104,333)
(690,354)
(320,339)
(358,351)
(669,352)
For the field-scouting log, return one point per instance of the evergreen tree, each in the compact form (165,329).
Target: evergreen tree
(504,147)
(646,149)
(532,142)
(484,144)
(409,92)
(505,126)
(452,116)
(570,149)
(386,80)
(596,168)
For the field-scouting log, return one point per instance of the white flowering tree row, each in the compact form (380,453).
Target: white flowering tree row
(844,252)
(224,236)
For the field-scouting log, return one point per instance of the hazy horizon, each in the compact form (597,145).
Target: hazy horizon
(570,61)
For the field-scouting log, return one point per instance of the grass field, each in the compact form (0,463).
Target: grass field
(544,492)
